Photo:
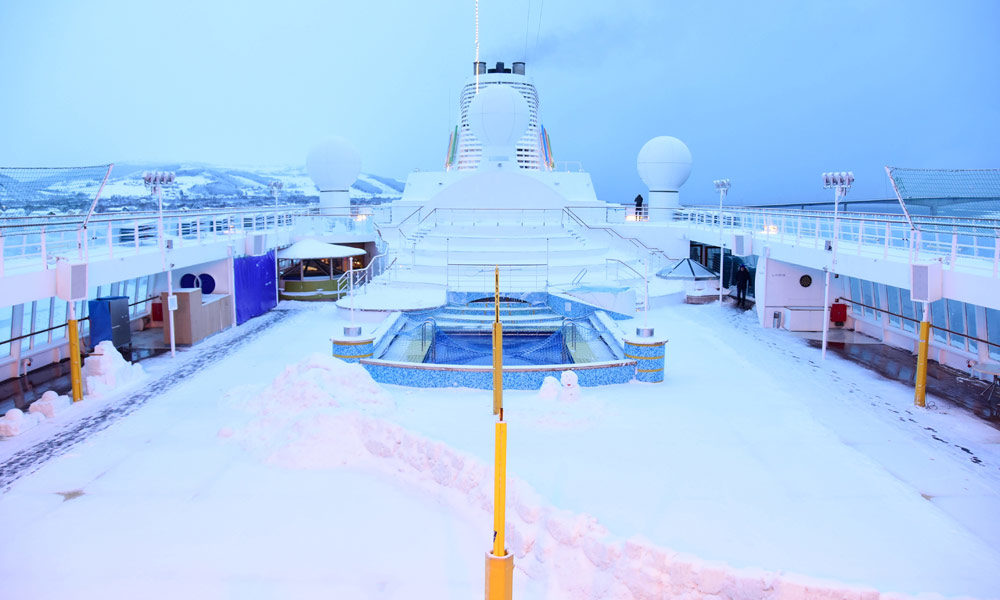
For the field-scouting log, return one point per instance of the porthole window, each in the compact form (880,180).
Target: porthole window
(805,281)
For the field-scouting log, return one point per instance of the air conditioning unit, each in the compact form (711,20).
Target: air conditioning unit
(925,282)
(71,280)
(742,245)
(256,244)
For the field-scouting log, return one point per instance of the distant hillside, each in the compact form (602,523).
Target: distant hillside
(196,186)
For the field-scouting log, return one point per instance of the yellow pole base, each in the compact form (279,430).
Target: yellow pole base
(920,387)
(75,377)
(499,577)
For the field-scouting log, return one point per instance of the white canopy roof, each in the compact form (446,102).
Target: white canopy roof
(312,248)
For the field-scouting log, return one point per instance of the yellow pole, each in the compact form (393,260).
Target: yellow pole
(497,350)
(499,564)
(499,488)
(74,355)
(920,390)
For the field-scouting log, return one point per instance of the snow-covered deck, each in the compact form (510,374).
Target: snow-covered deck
(754,470)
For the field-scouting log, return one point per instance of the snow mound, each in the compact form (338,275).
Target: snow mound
(322,414)
(305,416)
(50,404)
(105,369)
(15,422)
(550,388)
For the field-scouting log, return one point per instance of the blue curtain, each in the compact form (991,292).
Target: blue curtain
(255,286)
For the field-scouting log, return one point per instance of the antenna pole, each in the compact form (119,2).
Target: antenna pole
(477,46)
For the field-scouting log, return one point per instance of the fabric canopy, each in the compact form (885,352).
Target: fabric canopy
(686,269)
(312,248)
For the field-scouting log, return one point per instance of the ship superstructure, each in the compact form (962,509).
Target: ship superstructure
(465,150)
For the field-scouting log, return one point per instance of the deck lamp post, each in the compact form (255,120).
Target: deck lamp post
(275,187)
(723,186)
(155,181)
(840,182)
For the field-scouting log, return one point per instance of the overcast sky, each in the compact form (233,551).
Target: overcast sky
(767,93)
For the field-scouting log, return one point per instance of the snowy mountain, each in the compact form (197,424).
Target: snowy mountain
(196,186)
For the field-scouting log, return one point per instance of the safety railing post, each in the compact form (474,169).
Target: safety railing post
(111,245)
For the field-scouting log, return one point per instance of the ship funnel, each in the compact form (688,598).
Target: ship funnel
(518,68)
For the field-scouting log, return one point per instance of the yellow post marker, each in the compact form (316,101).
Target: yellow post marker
(500,488)
(499,564)
(75,377)
(920,390)
(497,349)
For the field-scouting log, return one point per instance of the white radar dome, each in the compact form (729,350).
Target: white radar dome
(498,116)
(333,164)
(664,164)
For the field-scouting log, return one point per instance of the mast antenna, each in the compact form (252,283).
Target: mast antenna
(477,46)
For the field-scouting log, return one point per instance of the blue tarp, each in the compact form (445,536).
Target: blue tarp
(255,285)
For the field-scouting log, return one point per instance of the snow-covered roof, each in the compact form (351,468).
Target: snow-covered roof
(313,248)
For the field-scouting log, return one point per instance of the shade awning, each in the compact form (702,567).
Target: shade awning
(311,248)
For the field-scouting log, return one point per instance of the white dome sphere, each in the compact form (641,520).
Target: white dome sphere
(498,116)
(664,164)
(333,164)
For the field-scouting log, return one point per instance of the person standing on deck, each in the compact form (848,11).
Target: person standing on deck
(742,281)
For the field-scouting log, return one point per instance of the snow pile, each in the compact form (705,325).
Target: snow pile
(50,404)
(550,388)
(323,413)
(15,422)
(304,417)
(105,369)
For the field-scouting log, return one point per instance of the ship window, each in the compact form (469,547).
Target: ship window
(59,319)
(5,329)
(869,300)
(956,322)
(43,310)
(855,285)
(970,319)
(892,303)
(27,317)
(993,331)
(907,309)
(939,320)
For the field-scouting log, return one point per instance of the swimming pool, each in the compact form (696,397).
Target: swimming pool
(453,346)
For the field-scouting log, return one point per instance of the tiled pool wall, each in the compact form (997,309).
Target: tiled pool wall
(353,350)
(649,357)
(514,378)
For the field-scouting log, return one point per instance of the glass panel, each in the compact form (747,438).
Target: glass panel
(939,319)
(59,319)
(114,289)
(866,292)
(907,308)
(5,322)
(81,313)
(970,319)
(993,331)
(956,322)
(892,299)
(26,325)
(855,295)
(42,310)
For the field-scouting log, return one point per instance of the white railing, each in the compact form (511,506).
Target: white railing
(970,243)
(514,277)
(29,243)
(382,263)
